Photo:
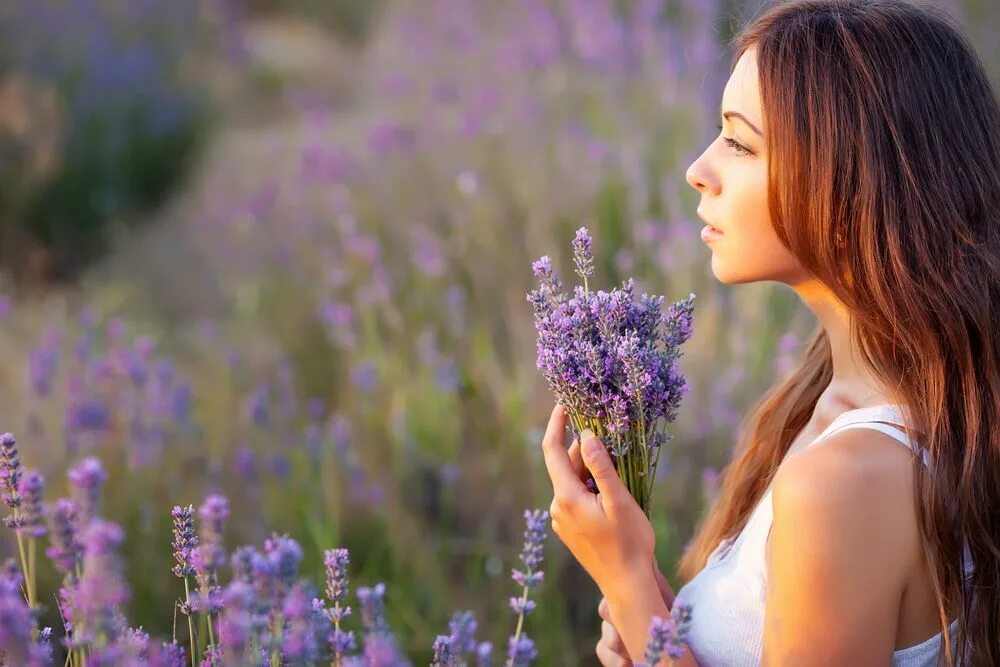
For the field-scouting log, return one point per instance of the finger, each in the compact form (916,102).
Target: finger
(613,640)
(598,461)
(576,460)
(603,610)
(609,658)
(608,654)
(565,484)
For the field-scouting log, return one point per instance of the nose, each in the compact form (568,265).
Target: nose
(700,177)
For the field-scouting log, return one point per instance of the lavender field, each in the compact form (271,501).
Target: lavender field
(319,337)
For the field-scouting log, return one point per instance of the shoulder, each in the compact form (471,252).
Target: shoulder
(841,547)
(855,469)
(856,483)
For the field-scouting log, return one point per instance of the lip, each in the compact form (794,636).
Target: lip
(709,234)
(707,222)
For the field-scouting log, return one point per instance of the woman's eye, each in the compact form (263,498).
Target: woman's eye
(739,148)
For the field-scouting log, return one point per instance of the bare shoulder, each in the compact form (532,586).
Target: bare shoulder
(840,550)
(859,477)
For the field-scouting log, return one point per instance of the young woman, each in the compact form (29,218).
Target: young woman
(859,164)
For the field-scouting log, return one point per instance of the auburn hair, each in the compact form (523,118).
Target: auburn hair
(883,125)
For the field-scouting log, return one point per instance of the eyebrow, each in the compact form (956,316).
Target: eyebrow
(737,114)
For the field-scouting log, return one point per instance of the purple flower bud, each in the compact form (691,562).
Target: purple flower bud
(285,554)
(521,651)
(336,561)
(10,471)
(582,253)
(484,654)
(213,512)
(521,606)
(31,519)
(236,624)
(16,621)
(65,551)
(185,540)
(463,630)
(343,643)
(96,599)
(373,608)
(87,477)
(444,652)
(534,539)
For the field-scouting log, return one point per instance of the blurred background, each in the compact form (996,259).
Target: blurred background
(279,250)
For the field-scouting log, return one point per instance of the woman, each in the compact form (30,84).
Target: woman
(859,164)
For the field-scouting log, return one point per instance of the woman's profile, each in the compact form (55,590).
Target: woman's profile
(858,520)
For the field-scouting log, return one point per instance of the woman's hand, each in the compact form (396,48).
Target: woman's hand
(608,533)
(610,649)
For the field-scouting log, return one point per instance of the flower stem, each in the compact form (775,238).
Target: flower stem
(187,599)
(520,623)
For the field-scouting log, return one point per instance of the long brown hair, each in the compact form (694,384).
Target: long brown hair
(882,125)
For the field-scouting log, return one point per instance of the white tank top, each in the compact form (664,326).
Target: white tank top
(727,596)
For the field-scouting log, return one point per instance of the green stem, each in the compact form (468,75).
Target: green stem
(520,622)
(187,599)
(276,653)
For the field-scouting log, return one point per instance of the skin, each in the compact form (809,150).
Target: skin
(844,550)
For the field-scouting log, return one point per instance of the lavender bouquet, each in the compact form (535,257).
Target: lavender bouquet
(611,359)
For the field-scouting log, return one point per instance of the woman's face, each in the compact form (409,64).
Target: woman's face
(732,180)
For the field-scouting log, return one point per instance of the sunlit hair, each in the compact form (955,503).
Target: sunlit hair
(882,124)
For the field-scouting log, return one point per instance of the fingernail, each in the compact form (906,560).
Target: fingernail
(590,442)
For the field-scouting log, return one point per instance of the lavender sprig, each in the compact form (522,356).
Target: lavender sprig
(583,255)
(444,651)
(336,561)
(209,557)
(10,471)
(185,541)
(87,477)
(667,635)
(520,649)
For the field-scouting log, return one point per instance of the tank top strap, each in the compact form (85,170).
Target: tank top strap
(888,418)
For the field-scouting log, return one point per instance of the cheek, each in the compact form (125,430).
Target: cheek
(750,251)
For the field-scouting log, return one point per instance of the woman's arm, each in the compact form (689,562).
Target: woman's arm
(842,536)
(632,607)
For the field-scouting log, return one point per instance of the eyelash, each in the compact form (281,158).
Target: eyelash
(740,149)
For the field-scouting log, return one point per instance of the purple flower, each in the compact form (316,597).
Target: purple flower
(373,608)
(305,629)
(521,651)
(65,550)
(444,652)
(668,635)
(166,654)
(336,561)
(87,477)
(611,359)
(237,625)
(213,512)
(17,623)
(522,606)
(31,519)
(285,554)
(531,553)
(484,654)
(185,540)
(10,471)
(94,602)
(583,256)
(463,631)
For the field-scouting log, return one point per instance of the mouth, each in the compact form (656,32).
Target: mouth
(710,225)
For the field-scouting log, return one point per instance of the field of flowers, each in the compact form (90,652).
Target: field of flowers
(328,345)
